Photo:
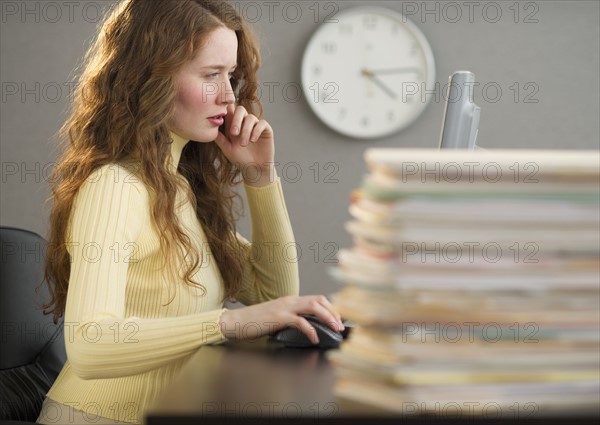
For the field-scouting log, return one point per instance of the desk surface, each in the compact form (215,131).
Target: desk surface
(259,379)
(262,380)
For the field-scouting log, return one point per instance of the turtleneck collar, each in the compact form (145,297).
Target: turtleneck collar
(176,149)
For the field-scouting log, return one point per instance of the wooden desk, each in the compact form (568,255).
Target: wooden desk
(260,382)
(254,379)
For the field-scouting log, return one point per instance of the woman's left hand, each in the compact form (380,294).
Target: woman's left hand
(248,143)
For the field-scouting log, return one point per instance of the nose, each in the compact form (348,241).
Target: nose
(227,94)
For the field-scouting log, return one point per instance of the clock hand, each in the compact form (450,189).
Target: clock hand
(378,83)
(407,70)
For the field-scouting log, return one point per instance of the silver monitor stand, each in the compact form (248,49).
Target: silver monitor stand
(461,115)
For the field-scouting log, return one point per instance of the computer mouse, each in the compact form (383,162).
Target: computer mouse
(295,338)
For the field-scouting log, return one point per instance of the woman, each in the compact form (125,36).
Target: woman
(143,249)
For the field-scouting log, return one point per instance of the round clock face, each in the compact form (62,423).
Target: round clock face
(366,75)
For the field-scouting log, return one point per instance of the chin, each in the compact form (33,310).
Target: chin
(202,140)
(205,136)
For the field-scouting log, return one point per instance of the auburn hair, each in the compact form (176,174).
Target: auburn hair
(121,110)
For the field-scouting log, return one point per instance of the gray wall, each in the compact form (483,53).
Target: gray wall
(551,46)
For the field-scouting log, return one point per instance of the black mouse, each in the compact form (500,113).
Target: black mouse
(295,338)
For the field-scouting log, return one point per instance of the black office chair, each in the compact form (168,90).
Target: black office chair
(32,346)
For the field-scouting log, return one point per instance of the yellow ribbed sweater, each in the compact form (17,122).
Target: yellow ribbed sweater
(124,340)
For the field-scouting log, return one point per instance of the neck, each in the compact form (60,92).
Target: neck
(176,149)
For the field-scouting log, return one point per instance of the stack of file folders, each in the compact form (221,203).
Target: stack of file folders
(473,283)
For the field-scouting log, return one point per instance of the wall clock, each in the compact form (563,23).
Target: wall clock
(365,72)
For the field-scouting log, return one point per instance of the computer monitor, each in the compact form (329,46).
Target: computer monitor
(461,115)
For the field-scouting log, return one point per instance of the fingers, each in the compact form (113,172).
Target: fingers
(239,114)
(274,315)
(324,310)
(319,306)
(307,329)
(245,127)
(258,129)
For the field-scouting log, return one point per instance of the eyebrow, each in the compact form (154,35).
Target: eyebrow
(218,67)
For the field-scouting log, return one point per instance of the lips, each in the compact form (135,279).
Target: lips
(217,120)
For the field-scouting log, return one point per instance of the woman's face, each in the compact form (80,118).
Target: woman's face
(204,89)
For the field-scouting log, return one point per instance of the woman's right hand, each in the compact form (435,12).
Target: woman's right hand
(268,317)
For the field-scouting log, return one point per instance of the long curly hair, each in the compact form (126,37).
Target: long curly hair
(121,110)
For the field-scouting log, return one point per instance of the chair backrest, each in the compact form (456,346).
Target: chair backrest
(32,346)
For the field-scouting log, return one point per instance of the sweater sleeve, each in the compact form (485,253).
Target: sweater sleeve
(101,341)
(271,259)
